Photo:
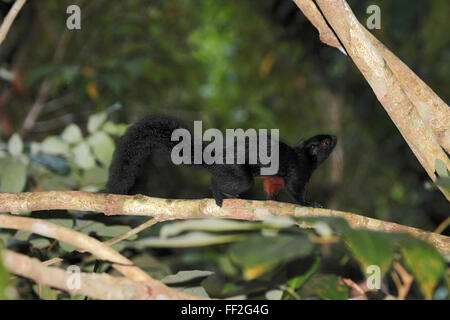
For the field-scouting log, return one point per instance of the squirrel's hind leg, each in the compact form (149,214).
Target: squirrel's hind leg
(230,182)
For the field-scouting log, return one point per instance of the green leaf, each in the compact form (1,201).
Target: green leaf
(76,297)
(15,145)
(95,121)
(13,178)
(192,239)
(67,223)
(72,134)
(45,292)
(40,243)
(424,261)
(275,294)
(67,247)
(185,276)
(57,182)
(258,254)
(22,235)
(106,231)
(88,226)
(4,280)
(441,168)
(443,182)
(54,163)
(196,291)
(96,176)
(115,129)
(278,222)
(83,156)
(103,147)
(54,145)
(69,73)
(337,224)
(40,73)
(296,282)
(327,287)
(175,228)
(371,248)
(4,238)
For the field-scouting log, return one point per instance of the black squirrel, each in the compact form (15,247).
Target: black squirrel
(296,164)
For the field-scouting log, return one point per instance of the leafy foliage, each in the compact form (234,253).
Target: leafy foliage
(424,262)
(371,248)
(68,161)
(4,281)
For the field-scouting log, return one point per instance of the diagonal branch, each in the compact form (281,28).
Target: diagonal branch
(419,114)
(51,230)
(95,247)
(98,286)
(9,19)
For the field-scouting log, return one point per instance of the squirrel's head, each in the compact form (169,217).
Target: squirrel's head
(317,148)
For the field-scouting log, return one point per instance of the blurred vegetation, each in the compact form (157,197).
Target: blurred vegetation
(232,64)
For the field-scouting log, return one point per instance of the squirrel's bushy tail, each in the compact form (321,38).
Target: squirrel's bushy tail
(134,148)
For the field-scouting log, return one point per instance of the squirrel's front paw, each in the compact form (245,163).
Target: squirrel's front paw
(219,202)
(313,205)
(316,205)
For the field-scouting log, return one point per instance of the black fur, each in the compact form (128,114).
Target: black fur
(296,164)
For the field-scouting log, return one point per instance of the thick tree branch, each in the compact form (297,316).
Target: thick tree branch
(167,209)
(94,285)
(51,230)
(6,24)
(100,250)
(419,114)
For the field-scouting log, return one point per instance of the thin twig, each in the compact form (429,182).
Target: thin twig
(404,285)
(351,284)
(132,232)
(127,234)
(442,226)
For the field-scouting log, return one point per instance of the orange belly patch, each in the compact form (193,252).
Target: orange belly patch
(272,185)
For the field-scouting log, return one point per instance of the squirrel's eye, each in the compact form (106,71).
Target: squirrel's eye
(325,143)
